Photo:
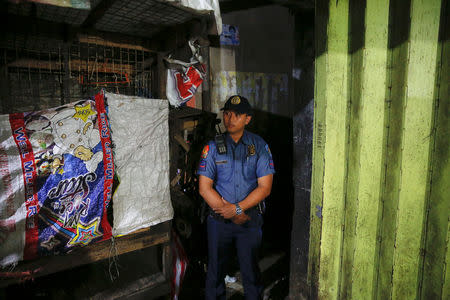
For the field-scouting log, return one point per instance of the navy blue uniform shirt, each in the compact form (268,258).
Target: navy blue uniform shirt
(235,174)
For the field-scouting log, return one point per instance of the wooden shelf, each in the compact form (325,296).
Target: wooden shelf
(155,235)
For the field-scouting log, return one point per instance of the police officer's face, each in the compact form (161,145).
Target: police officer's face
(235,123)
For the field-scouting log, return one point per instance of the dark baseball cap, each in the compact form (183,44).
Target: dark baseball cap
(238,104)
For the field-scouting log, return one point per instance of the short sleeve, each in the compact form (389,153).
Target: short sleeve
(265,164)
(207,166)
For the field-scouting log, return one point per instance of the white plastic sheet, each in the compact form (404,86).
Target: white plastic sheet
(203,6)
(140,133)
(13,210)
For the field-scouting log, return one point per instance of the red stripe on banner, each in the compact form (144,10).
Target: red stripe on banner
(29,178)
(180,262)
(174,274)
(108,165)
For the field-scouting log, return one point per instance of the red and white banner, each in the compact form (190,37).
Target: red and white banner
(56,175)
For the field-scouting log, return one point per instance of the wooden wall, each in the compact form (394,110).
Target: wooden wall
(380,199)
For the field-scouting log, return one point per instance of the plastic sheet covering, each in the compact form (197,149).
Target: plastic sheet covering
(140,133)
(203,5)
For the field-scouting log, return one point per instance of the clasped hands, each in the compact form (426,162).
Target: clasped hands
(228,211)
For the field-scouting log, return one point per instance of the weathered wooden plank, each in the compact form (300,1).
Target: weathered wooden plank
(416,147)
(102,40)
(372,136)
(97,13)
(397,65)
(75,64)
(321,21)
(143,238)
(159,78)
(439,205)
(336,95)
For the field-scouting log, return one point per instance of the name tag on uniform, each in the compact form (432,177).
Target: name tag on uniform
(221,162)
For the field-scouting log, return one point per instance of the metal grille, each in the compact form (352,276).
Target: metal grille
(34,78)
(51,13)
(141,18)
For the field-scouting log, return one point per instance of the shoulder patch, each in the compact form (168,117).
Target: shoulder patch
(205,151)
(268,150)
(270,157)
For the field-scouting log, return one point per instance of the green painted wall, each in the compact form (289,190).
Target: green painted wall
(380,200)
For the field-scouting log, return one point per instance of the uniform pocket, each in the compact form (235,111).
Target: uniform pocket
(224,170)
(249,167)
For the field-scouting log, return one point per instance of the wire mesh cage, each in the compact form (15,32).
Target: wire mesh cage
(38,73)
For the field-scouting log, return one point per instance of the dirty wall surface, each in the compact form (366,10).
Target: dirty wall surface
(380,189)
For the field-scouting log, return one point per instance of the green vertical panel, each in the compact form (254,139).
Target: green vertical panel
(397,67)
(371,148)
(357,16)
(439,206)
(446,275)
(335,147)
(321,20)
(425,16)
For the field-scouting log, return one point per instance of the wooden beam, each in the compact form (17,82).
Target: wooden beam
(75,65)
(97,13)
(143,238)
(182,142)
(206,84)
(159,78)
(102,40)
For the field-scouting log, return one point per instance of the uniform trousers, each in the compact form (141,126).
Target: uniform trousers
(247,239)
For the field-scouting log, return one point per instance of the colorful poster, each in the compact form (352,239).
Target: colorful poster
(56,173)
(230,35)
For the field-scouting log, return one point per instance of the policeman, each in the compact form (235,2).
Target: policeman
(234,180)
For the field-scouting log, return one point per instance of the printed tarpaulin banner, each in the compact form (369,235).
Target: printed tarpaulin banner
(56,174)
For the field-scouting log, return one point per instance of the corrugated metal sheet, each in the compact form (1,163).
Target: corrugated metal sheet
(381,152)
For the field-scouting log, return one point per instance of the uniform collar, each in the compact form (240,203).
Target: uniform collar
(244,139)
